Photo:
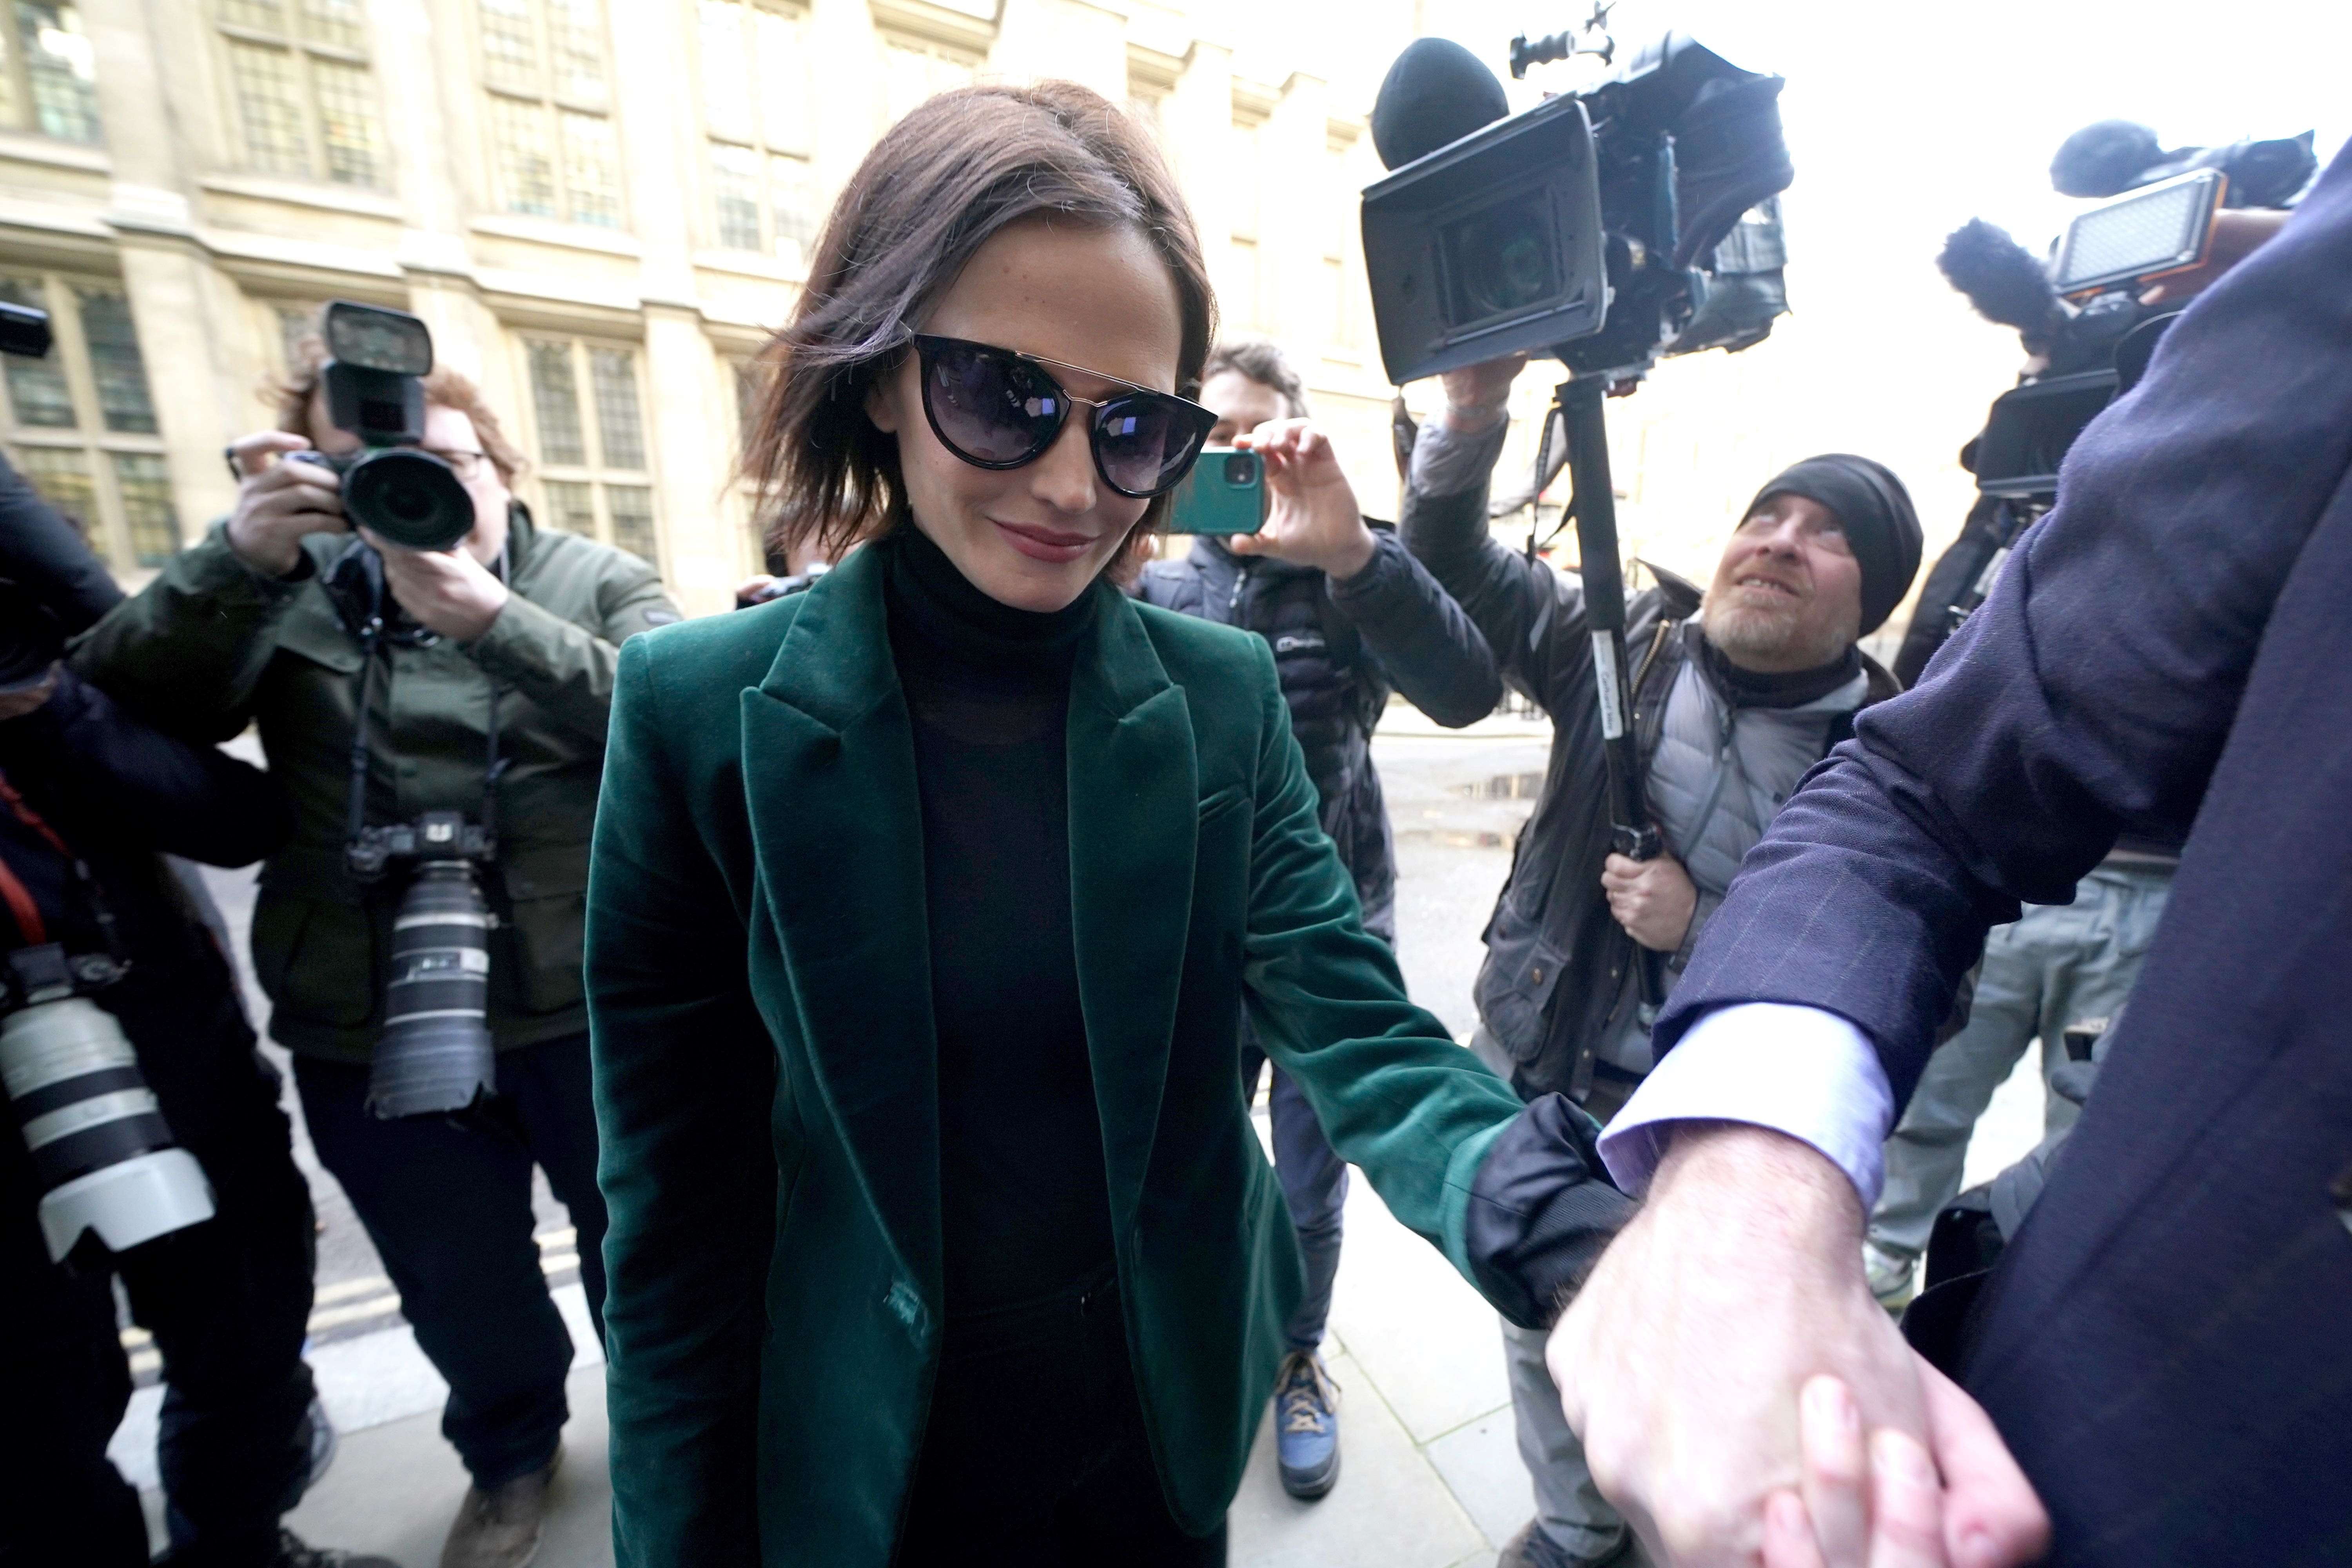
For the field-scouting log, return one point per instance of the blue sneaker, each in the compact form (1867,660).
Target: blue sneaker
(1305,1425)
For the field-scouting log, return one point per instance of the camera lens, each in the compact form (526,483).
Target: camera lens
(1503,259)
(411,498)
(1240,470)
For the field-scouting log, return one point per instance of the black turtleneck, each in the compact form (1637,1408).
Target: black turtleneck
(1025,1210)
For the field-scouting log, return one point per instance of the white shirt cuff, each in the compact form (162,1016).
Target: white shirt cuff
(1798,1070)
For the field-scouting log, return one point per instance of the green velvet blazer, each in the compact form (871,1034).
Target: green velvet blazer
(759,995)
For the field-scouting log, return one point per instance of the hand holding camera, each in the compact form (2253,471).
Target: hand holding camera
(445,591)
(277,503)
(1313,519)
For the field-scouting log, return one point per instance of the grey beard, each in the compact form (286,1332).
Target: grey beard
(1780,636)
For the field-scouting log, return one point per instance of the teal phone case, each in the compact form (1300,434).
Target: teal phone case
(1224,493)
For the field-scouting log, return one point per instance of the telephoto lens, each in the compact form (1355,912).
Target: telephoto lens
(435,1054)
(103,1156)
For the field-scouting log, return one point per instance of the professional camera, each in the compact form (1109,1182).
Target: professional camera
(2080,313)
(106,1162)
(374,381)
(1606,226)
(435,1053)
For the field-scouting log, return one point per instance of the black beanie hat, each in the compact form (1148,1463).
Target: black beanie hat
(1875,510)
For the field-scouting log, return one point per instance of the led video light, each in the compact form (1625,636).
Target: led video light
(2159,228)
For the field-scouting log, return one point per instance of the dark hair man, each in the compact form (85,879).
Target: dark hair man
(1735,695)
(242,628)
(2162,1344)
(1348,615)
(90,799)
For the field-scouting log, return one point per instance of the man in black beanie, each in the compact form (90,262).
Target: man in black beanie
(1737,692)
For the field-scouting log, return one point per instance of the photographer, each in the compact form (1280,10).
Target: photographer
(1735,697)
(89,801)
(261,622)
(1348,615)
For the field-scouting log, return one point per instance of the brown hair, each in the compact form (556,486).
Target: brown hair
(452,389)
(1258,360)
(946,179)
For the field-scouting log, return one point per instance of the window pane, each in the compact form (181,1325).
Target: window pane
(146,490)
(59,68)
(783,82)
(35,387)
(726,72)
(335,22)
(632,520)
(347,122)
(62,475)
(510,47)
(526,162)
(792,195)
(591,171)
(575,36)
(269,104)
(735,193)
(265,16)
(555,398)
(571,507)
(114,362)
(619,431)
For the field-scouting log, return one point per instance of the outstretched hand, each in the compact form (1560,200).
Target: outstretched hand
(1743,1399)
(1314,519)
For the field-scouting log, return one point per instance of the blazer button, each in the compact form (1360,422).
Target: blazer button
(905,1305)
(2340,1193)
(1536,975)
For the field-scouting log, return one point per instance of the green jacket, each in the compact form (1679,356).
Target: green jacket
(765,1061)
(212,645)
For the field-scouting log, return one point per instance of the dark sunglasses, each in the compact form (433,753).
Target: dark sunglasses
(998,409)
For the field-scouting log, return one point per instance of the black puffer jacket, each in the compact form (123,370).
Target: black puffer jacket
(1339,648)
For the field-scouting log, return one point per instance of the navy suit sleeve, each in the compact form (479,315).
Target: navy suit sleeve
(2097,685)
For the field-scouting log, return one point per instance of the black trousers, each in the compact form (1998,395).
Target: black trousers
(228,1303)
(1036,1451)
(446,1200)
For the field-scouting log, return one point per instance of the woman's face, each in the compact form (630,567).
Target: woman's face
(1035,537)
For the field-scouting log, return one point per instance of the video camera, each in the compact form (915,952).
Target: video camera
(374,382)
(2080,313)
(1607,227)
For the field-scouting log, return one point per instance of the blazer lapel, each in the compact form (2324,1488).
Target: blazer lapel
(1134,805)
(829,777)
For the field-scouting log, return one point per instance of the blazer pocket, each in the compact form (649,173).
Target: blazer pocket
(1229,798)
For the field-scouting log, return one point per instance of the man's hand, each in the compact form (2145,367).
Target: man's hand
(2238,233)
(447,591)
(1684,1364)
(278,503)
(1477,396)
(1653,900)
(1315,520)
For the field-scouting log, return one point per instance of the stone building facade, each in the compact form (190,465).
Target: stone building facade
(600,206)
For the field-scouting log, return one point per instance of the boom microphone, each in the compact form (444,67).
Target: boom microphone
(2003,281)
(1436,93)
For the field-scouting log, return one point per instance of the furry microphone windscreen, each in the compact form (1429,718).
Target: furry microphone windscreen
(2002,280)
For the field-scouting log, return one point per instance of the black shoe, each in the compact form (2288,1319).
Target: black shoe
(1531,1548)
(293,1553)
(1305,1425)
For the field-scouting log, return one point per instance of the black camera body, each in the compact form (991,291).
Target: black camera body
(434,836)
(1598,226)
(375,386)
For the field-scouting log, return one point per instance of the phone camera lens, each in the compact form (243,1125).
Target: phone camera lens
(1241,469)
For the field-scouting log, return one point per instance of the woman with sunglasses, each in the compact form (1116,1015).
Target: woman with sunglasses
(922,905)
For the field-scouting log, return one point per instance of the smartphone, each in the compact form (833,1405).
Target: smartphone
(1224,493)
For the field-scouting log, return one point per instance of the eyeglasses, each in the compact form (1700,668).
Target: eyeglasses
(467,466)
(995,408)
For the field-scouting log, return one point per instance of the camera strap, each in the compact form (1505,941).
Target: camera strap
(370,631)
(19,899)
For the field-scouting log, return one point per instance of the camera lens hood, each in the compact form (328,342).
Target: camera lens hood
(411,497)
